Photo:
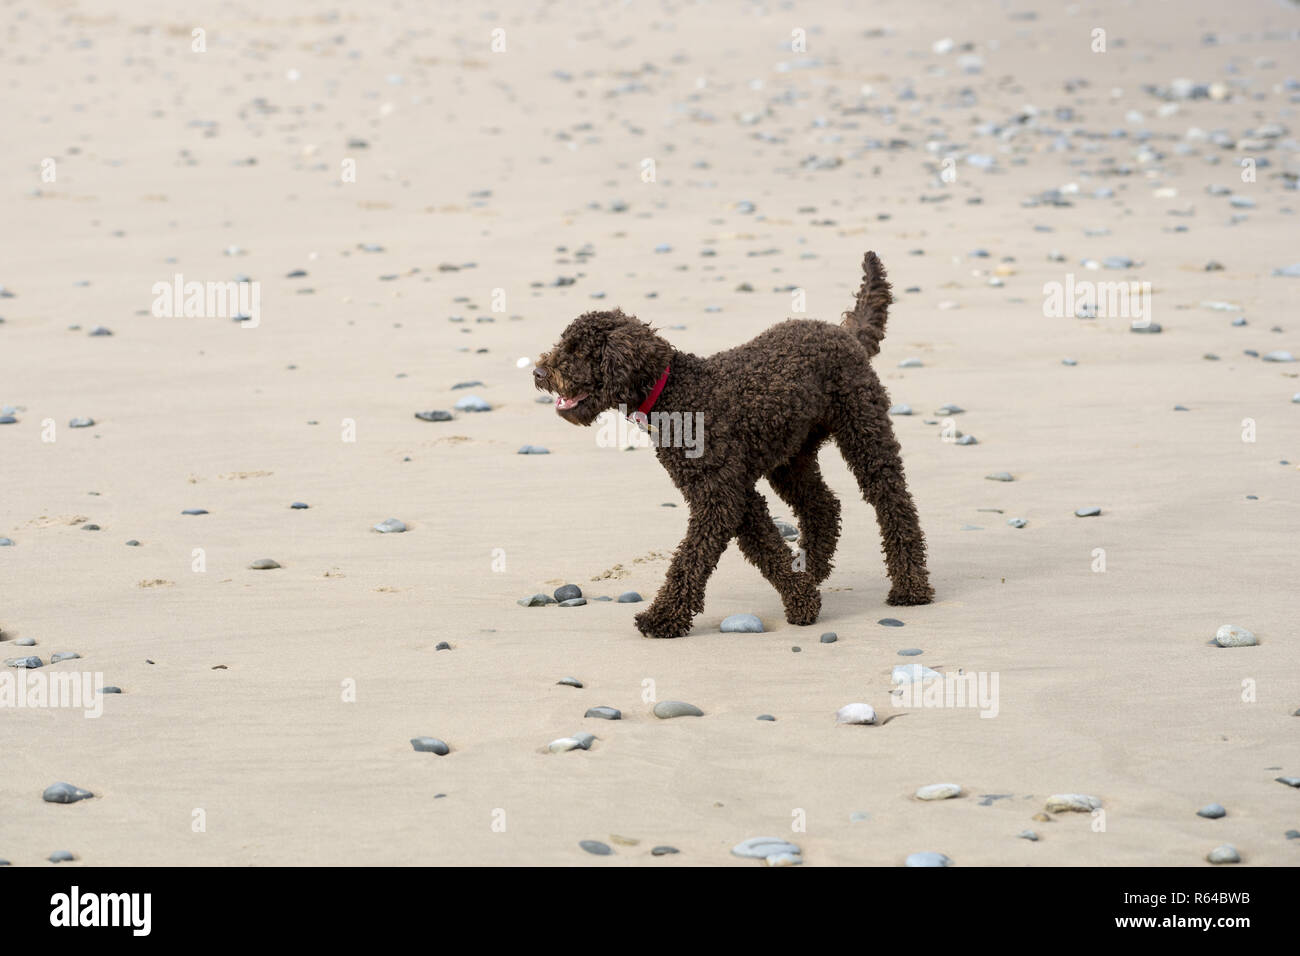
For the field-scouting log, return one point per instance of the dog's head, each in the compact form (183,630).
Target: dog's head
(603,360)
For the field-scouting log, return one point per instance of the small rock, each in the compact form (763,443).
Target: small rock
(1000,476)
(629,597)
(24,662)
(1072,802)
(81,423)
(1229,635)
(434,416)
(666,709)
(1088,512)
(390,526)
(472,403)
(938,791)
(567,592)
(927,858)
(537,600)
(830,637)
(1028,835)
(430,745)
(573,602)
(855,714)
(61,856)
(742,624)
(596,848)
(890,622)
(195,511)
(900,409)
(533,450)
(1224,854)
(64,793)
(64,656)
(760,848)
(1017,522)
(1212,811)
(664,851)
(1277,356)
(767,717)
(569,682)
(263,564)
(910,652)
(604,713)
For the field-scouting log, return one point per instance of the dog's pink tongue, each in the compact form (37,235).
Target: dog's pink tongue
(562,403)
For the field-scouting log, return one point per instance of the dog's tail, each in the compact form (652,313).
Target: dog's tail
(867,320)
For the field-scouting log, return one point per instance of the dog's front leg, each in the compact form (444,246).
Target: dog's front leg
(713,523)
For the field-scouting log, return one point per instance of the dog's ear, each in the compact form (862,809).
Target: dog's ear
(619,363)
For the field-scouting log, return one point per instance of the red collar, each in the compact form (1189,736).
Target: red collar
(643,411)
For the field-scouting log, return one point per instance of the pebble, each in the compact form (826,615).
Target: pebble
(938,791)
(1088,512)
(25,642)
(1017,522)
(742,624)
(390,526)
(629,597)
(81,423)
(788,531)
(580,741)
(435,415)
(61,856)
(1229,635)
(195,511)
(569,682)
(910,652)
(64,793)
(666,709)
(573,602)
(927,858)
(472,403)
(533,450)
(664,851)
(1072,802)
(604,713)
(890,622)
(596,848)
(567,592)
(1224,854)
(1277,356)
(830,637)
(1028,835)
(9,542)
(24,662)
(1212,811)
(855,714)
(763,848)
(1289,781)
(430,745)
(910,363)
(1000,476)
(64,656)
(263,564)
(900,409)
(912,673)
(296,506)
(537,600)
(767,717)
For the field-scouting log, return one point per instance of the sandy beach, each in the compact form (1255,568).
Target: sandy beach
(423,196)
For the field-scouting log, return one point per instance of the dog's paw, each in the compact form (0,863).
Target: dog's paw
(907,596)
(654,623)
(804,607)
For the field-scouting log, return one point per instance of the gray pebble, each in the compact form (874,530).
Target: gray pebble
(567,592)
(596,847)
(629,597)
(760,848)
(442,646)
(967,440)
(830,637)
(1091,512)
(195,511)
(927,858)
(742,624)
(434,416)
(430,745)
(472,403)
(64,793)
(299,506)
(938,791)
(569,682)
(1017,522)
(1069,361)
(25,662)
(910,652)
(1000,476)
(1224,854)
(664,851)
(61,856)
(9,542)
(910,363)
(133,543)
(110,690)
(900,409)
(890,622)
(766,717)
(533,450)
(537,600)
(604,713)
(1229,635)
(81,423)
(788,531)
(573,602)
(263,564)
(1028,835)
(390,526)
(1277,356)
(64,656)
(1289,781)
(25,642)
(666,709)
(1212,811)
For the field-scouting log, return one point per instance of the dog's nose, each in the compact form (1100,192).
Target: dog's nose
(539,374)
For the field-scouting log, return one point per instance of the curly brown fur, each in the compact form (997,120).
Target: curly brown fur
(768,406)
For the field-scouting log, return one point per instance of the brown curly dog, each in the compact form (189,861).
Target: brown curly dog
(764,409)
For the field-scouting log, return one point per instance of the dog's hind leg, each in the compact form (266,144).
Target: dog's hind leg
(761,543)
(800,484)
(866,439)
